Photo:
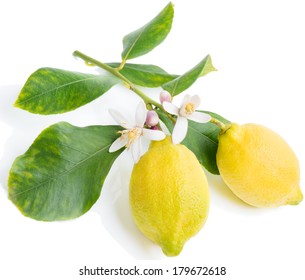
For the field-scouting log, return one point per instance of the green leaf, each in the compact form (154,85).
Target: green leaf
(53,91)
(183,82)
(62,173)
(201,139)
(143,40)
(208,67)
(144,74)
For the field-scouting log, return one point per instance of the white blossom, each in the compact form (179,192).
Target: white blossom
(186,111)
(132,134)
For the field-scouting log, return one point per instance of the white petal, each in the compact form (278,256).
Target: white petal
(118,144)
(141,114)
(136,150)
(195,100)
(155,135)
(118,118)
(199,117)
(170,108)
(180,130)
(186,99)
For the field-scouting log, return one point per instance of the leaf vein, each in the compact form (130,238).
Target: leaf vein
(211,140)
(73,148)
(54,89)
(134,43)
(62,173)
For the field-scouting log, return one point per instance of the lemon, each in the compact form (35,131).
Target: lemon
(258,166)
(169,195)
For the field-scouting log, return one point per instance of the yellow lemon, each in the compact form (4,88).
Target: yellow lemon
(259,166)
(169,195)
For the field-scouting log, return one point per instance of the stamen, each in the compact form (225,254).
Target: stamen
(131,134)
(189,108)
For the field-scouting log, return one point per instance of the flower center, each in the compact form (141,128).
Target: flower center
(131,134)
(187,109)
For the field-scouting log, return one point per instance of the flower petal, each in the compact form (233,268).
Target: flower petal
(186,99)
(118,144)
(195,99)
(118,118)
(136,150)
(141,114)
(170,108)
(199,117)
(180,130)
(155,135)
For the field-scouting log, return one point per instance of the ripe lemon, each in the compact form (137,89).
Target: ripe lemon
(169,195)
(259,166)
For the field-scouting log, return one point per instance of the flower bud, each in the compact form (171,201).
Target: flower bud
(152,118)
(165,96)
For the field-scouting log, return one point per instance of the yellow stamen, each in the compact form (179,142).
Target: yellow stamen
(189,108)
(131,134)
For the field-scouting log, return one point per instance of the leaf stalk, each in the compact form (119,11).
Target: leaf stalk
(114,71)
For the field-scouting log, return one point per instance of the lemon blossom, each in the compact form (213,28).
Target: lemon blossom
(131,135)
(186,111)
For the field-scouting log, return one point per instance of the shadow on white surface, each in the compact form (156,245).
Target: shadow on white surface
(228,201)
(113,208)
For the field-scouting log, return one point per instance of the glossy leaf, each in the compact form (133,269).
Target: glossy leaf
(145,75)
(146,38)
(62,173)
(201,139)
(53,91)
(183,82)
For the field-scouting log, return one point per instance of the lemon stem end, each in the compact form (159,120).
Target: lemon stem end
(220,124)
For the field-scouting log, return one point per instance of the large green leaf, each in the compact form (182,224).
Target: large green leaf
(146,38)
(201,139)
(183,82)
(145,75)
(53,91)
(62,173)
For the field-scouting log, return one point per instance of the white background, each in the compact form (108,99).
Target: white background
(258,49)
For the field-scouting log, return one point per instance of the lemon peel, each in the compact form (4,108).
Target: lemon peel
(169,195)
(259,166)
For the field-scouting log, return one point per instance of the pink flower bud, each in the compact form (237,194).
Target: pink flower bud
(152,118)
(165,96)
